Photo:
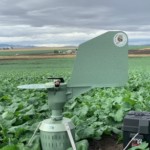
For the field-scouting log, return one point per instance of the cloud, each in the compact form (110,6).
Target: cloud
(46,35)
(70,22)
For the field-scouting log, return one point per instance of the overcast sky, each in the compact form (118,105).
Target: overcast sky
(71,22)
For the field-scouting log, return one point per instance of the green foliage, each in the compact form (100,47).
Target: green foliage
(97,112)
(143,146)
(81,145)
(101,111)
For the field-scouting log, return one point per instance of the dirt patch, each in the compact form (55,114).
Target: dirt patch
(139,53)
(131,53)
(38,48)
(26,57)
(147,51)
(106,143)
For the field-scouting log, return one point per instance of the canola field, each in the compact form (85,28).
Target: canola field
(95,113)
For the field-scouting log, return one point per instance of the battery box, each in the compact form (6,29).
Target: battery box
(136,122)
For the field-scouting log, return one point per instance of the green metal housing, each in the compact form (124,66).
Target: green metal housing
(53,134)
(101,62)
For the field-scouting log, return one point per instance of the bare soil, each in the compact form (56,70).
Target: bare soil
(38,48)
(106,143)
(26,57)
(139,53)
(131,53)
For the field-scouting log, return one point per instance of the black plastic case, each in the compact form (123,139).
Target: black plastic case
(136,122)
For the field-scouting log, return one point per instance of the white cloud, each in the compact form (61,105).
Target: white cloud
(46,35)
(138,35)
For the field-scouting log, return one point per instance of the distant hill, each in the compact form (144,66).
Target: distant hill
(4,45)
(70,47)
(9,46)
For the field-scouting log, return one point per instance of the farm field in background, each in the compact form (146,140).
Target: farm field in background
(35,53)
(59,52)
(138,47)
(141,64)
(96,113)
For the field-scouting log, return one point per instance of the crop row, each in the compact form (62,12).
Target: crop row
(97,112)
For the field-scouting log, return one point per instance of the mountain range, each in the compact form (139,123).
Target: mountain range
(14,46)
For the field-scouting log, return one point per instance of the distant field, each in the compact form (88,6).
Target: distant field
(30,57)
(25,52)
(139,51)
(39,48)
(138,47)
(36,53)
(139,64)
(36,67)
(61,64)
(60,52)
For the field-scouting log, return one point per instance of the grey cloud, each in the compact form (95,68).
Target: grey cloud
(79,13)
(68,16)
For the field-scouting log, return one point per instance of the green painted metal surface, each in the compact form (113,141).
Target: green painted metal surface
(56,100)
(53,134)
(102,61)
(50,125)
(37,86)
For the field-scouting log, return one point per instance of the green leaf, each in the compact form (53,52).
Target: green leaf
(81,145)
(143,146)
(84,133)
(116,130)
(6,123)
(118,116)
(30,112)
(35,145)
(82,111)
(45,107)
(7,115)
(1,108)
(10,147)
(19,131)
(5,98)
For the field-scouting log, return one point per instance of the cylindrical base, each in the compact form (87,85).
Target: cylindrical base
(54,141)
(54,136)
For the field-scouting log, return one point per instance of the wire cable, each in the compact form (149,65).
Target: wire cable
(31,139)
(131,141)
